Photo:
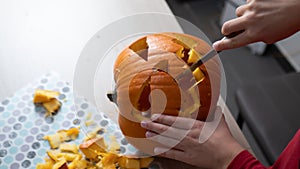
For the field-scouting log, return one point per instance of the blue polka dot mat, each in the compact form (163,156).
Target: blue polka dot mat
(23,124)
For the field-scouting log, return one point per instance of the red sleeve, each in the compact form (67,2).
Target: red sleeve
(288,159)
(245,160)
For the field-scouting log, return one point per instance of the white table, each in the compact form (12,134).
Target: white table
(37,37)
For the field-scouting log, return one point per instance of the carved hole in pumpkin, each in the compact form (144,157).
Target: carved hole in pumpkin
(185,51)
(140,47)
(186,55)
(148,97)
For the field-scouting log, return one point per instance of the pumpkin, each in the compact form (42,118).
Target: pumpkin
(146,74)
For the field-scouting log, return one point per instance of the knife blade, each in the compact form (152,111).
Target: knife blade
(210,54)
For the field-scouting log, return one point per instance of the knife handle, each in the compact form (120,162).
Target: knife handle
(233,34)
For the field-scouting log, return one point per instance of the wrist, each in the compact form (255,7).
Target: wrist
(228,155)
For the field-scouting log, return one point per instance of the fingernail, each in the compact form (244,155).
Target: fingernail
(215,45)
(143,124)
(159,150)
(155,116)
(148,134)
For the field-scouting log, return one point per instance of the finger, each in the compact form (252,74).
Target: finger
(234,25)
(184,144)
(165,130)
(241,10)
(169,153)
(166,141)
(235,42)
(178,136)
(177,122)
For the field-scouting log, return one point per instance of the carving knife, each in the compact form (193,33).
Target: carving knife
(210,54)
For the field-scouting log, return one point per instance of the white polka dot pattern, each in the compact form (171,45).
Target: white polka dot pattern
(23,124)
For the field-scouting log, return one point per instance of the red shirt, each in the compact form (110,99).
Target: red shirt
(288,159)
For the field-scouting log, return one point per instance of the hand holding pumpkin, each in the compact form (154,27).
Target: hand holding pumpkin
(267,21)
(217,152)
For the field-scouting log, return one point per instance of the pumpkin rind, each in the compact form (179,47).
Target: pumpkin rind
(146,81)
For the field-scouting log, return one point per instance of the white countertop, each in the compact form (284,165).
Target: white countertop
(39,36)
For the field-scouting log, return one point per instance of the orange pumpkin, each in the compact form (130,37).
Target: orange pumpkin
(145,79)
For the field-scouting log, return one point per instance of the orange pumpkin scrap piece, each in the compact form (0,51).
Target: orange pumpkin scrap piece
(62,164)
(145,162)
(52,106)
(131,163)
(48,99)
(61,136)
(97,154)
(43,96)
(72,133)
(53,154)
(108,161)
(67,147)
(69,157)
(93,147)
(54,140)
(47,165)
(78,163)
